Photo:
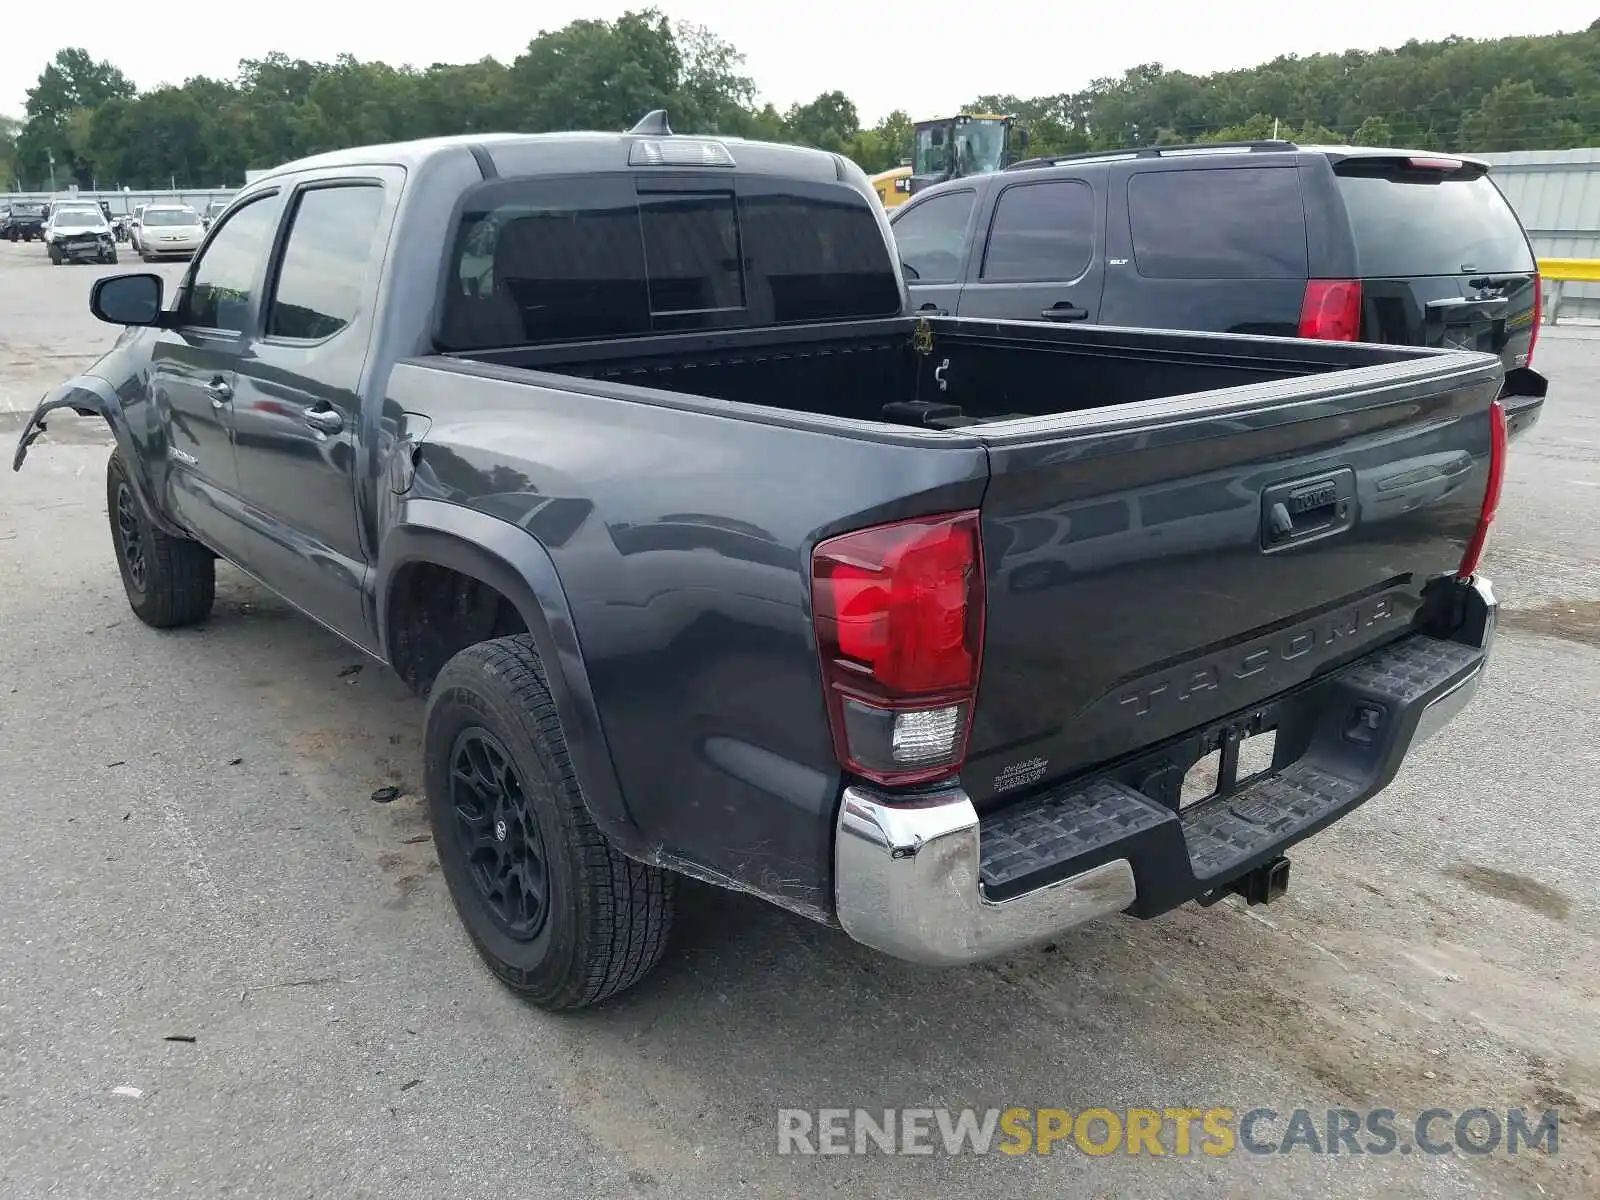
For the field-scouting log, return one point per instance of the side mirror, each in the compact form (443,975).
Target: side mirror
(127,299)
(1022,139)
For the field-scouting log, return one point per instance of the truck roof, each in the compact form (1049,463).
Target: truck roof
(1334,153)
(551,153)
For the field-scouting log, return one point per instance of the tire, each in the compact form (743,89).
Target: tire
(111,259)
(170,581)
(55,257)
(605,918)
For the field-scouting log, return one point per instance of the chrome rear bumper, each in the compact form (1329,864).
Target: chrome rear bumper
(908,872)
(908,885)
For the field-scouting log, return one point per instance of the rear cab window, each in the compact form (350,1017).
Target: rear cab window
(563,259)
(1218,223)
(1418,222)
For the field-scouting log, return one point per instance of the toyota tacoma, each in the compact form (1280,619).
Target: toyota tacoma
(714,560)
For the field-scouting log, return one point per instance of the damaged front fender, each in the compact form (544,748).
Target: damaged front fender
(90,396)
(86,396)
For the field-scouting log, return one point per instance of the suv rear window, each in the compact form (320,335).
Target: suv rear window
(543,260)
(1416,223)
(1232,223)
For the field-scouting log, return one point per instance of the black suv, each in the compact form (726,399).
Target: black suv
(1339,242)
(26,220)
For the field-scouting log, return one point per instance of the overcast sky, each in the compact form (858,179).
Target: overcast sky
(927,56)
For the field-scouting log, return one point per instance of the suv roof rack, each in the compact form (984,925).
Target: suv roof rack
(1265,145)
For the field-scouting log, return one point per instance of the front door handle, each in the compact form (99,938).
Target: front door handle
(1065,310)
(933,310)
(220,391)
(323,420)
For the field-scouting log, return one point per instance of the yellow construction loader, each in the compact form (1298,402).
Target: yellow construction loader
(950,148)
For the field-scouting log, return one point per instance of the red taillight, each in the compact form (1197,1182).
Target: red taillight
(1491,497)
(898,610)
(1331,310)
(1538,317)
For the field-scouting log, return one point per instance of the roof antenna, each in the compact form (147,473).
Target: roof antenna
(653,124)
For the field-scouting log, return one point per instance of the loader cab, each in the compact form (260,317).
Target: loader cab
(955,147)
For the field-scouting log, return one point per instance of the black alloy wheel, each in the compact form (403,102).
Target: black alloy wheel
(499,834)
(130,539)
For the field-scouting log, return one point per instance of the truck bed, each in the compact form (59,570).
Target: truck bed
(972,372)
(1128,484)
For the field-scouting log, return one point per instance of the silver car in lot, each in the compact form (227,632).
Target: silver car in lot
(169,230)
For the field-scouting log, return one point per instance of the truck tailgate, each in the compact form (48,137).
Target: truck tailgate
(1159,565)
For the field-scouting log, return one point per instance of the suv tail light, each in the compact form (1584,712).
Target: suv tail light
(1491,495)
(1538,317)
(1331,310)
(899,610)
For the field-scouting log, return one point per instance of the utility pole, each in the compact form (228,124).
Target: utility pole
(52,172)
(1274,128)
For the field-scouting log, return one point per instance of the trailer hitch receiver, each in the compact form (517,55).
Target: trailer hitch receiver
(1266,883)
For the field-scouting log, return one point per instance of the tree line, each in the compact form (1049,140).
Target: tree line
(87,122)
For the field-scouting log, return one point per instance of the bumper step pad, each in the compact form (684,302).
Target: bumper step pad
(1177,856)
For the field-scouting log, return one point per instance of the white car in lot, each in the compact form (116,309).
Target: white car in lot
(169,229)
(79,233)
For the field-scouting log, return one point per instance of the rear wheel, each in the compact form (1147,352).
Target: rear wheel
(170,581)
(557,913)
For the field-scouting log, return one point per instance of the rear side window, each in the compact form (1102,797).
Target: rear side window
(1233,223)
(1416,223)
(325,261)
(1041,231)
(574,259)
(931,235)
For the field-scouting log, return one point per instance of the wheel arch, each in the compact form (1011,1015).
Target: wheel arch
(510,560)
(90,396)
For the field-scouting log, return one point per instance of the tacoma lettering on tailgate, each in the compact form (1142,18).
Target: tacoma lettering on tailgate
(1254,657)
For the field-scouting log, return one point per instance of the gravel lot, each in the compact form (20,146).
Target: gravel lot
(188,848)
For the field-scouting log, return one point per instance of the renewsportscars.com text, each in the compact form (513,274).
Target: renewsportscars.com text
(1215,1131)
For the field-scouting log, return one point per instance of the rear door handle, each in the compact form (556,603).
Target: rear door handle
(323,420)
(1065,310)
(220,391)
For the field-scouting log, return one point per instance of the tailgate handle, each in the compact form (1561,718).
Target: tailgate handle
(1304,510)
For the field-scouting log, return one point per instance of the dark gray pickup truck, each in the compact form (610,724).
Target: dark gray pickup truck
(714,561)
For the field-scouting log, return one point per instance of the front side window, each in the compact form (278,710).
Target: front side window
(931,236)
(326,261)
(222,282)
